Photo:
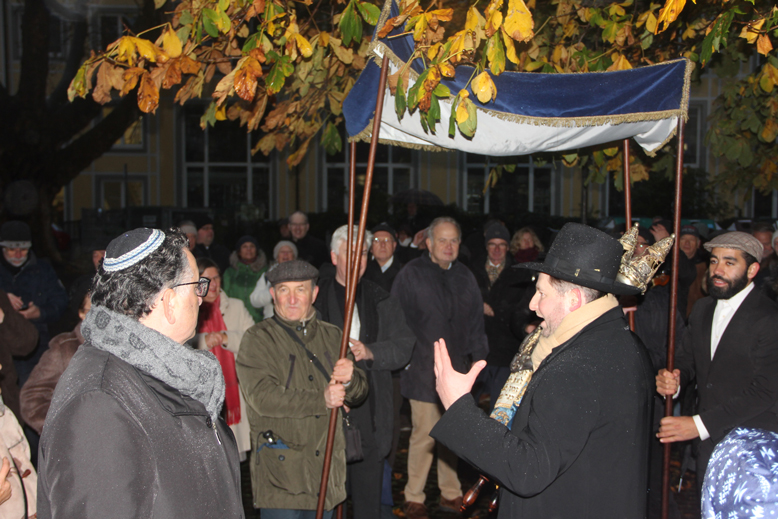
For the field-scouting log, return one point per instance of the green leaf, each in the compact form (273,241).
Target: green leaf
(251,43)
(510,168)
(210,22)
(186,18)
(468,127)
(223,5)
(712,41)
(434,114)
(350,25)
(442,90)
(209,117)
(399,99)
(646,40)
(331,140)
(452,120)
(413,93)
(159,3)
(369,12)
(278,73)
(183,32)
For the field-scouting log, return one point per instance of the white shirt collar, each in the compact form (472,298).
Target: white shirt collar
(735,301)
(387,264)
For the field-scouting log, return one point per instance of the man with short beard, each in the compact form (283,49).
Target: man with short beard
(730,349)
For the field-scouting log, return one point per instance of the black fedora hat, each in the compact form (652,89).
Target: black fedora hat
(587,257)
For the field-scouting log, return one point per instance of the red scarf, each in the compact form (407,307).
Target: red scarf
(211,320)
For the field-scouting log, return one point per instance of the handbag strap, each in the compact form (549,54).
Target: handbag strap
(311,356)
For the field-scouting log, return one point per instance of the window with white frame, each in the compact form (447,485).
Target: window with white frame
(525,189)
(394,171)
(219,170)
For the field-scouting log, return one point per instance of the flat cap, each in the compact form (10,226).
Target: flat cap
(295,270)
(737,240)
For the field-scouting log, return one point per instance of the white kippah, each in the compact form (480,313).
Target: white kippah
(131,247)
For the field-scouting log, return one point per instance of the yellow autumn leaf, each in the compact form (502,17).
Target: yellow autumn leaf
(494,23)
(519,22)
(763,45)
(149,51)
(483,87)
(751,31)
(510,48)
(472,19)
(221,112)
(769,78)
(651,23)
(126,50)
(447,69)
(619,63)
(462,114)
(669,13)
(324,38)
(463,94)
(432,52)
(303,45)
(171,43)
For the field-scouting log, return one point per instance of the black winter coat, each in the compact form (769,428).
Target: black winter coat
(439,304)
(509,297)
(384,331)
(120,443)
(383,279)
(578,445)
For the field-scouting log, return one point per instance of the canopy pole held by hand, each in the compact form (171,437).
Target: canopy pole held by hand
(353,274)
(671,317)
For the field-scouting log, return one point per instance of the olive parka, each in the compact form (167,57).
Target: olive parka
(285,394)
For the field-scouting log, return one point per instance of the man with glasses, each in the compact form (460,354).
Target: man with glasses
(134,427)
(309,248)
(506,306)
(383,267)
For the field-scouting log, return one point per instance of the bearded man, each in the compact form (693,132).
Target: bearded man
(730,349)
(577,445)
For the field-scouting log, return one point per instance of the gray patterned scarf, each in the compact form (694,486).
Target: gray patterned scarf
(194,373)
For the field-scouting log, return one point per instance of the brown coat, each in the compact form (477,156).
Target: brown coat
(18,337)
(39,388)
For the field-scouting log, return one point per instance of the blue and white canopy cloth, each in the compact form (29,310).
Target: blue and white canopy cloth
(532,112)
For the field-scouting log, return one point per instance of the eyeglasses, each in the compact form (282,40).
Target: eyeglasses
(501,245)
(382,240)
(202,286)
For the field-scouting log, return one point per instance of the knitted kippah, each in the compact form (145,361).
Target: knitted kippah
(131,247)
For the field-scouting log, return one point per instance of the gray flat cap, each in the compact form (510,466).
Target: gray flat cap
(296,270)
(737,240)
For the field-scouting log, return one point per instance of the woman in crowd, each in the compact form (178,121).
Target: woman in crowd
(525,245)
(36,393)
(220,328)
(260,298)
(247,264)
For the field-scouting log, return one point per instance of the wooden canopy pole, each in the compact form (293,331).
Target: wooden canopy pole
(353,273)
(673,310)
(628,209)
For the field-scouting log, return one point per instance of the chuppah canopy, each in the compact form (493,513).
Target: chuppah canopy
(532,112)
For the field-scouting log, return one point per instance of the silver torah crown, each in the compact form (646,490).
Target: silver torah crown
(638,272)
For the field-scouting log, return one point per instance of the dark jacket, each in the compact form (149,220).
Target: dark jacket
(439,304)
(120,443)
(312,250)
(739,386)
(509,298)
(578,445)
(217,252)
(37,392)
(384,331)
(383,279)
(19,337)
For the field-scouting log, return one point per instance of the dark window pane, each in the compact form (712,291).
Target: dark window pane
(363,152)
(112,195)
(194,136)
(475,190)
(227,142)
(473,158)
(336,191)
(401,180)
(542,198)
(261,191)
(259,157)
(763,204)
(511,193)
(195,188)
(226,187)
(402,155)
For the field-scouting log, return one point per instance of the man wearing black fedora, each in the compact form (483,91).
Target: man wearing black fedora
(576,438)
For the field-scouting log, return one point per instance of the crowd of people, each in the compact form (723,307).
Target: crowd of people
(189,358)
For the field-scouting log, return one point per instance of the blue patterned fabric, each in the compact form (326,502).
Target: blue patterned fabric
(742,477)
